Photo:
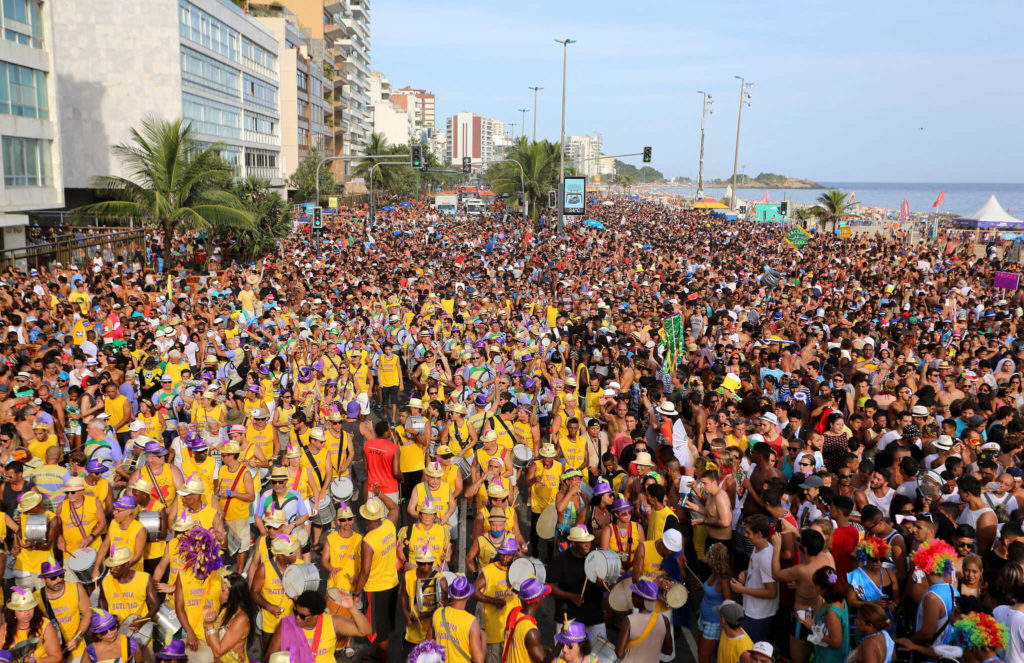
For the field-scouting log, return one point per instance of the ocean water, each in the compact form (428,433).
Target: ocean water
(961,198)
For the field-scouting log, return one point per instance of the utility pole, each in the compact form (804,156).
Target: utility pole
(705,110)
(524,111)
(561,143)
(744,99)
(535,90)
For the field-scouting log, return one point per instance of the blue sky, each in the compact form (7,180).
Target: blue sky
(842,90)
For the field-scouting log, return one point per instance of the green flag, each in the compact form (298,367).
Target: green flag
(797,237)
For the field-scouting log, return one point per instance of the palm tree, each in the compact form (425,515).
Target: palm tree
(385,177)
(270,215)
(832,205)
(172,183)
(540,172)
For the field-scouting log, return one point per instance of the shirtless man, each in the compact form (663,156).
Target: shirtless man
(878,493)
(715,511)
(806,594)
(759,476)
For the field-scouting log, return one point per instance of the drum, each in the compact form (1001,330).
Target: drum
(81,563)
(464,465)
(676,596)
(547,522)
(23,649)
(27,580)
(143,636)
(428,595)
(523,568)
(342,489)
(620,599)
(299,578)
(35,528)
(150,521)
(334,602)
(604,651)
(603,565)
(301,534)
(167,624)
(522,456)
(325,512)
(416,424)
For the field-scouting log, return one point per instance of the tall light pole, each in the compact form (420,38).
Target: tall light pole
(705,110)
(524,111)
(535,90)
(744,99)
(561,143)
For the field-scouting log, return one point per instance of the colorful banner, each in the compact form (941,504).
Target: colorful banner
(674,335)
(1007,280)
(797,237)
(332,202)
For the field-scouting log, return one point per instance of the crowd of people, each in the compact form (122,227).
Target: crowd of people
(497,443)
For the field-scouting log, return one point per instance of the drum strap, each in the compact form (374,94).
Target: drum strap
(78,520)
(507,429)
(316,635)
(341,452)
(234,485)
(312,462)
(647,631)
(49,613)
(629,543)
(455,641)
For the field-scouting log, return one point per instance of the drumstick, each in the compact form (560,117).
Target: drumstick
(585,579)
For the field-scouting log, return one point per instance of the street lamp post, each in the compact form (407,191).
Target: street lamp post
(524,111)
(744,99)
(561,143)
(705,110)
(535,90)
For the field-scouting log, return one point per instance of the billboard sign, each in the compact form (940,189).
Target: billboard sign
(575,196)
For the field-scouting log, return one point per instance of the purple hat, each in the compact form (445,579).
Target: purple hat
(508,547)
(352,409)
(95,467)
(206,375)
(572,631)
(621,505)
(174,651)
(305,375)
(645,589)
(49,570)
(155,448)
(6,656)
(460,588)
(332,382)
(602,488)
(101,621)
(533,590)
(198,444)
(481,399)
(264,370)
(253,388)
(125,502)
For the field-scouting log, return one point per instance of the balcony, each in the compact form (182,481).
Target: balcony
(333,7)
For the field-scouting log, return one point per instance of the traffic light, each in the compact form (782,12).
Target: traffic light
(552,199)
(416,155)
(647,154)
(784,207)
(318,217)
(467,165)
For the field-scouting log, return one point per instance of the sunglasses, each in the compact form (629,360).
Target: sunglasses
(803,464)
(346,520)
(278,481)
(846,476)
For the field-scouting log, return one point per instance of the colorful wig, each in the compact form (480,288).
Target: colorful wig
(978,630)
(872,547)
(935,557)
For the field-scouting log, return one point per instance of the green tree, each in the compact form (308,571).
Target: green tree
(303,180)
(386,178)
(832,206)
(540,173)
(171,183)
(270,214)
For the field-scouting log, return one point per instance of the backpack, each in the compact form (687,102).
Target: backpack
(1002,514)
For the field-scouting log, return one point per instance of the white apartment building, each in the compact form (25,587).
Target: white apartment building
(347,29)
(395,124)
(30,156)
(421,106)
(582,153)
(470,135)
(305,111)
(204,60)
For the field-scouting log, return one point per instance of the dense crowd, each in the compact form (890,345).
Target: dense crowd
(501,444)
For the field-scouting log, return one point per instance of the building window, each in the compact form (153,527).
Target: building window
(27,162)
(258,58)
(303,79)
(202,28)
(212,118)
(303,107)
(23,91)
(259,93)
(303,137)
(23,22)
(260,124)
(200,70)
(260,159)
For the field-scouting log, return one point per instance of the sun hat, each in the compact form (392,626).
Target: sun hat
(422,555)
(275,518)
(643,458)
(260,413)
(497,491)
(579,534)
(127,501)
(645,588)
(29,500)
(142,486)
(22,599)
(460,588)
(601,488)
(673,540)
(509,546)
(919,411)
(318,434)
(184,523)
(118,556)
(95,467)
(74,484)
(621,505)
(101,621)
(156,449)
(193,486)
(944,443)
(434,469)
(572,632)
(667,408)
(48,570)
(284,545)
(489,436)
(427,507)
(236,430)
(533,590)
(230,449)
(413,403)
(373,509)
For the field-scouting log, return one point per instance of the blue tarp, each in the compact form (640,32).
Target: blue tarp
(405,204)
(388,208)
(591,223)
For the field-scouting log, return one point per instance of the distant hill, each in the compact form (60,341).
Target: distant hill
(766,181)
(645,174)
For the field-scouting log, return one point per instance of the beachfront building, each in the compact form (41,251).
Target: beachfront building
(204,60)
(480,138)
(420,105)
(583,153)
(394,123)
(29,124)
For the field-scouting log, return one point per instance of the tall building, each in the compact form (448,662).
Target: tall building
(420,104)
(474,136)
(306,115)
(583,154)
(204,60)
(394,123)
(29,137)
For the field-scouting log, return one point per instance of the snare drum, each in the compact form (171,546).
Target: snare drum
(334,602)
(81,563)
(143,636)
(35,528)
(150,521)
(464,465)
(604,651)
(167,624)
(427,596)
(342,489)
(676,596)
(522,456)
(604,565)
(523,568)
(299,578)
(324,512)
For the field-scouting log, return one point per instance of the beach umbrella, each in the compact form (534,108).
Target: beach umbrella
(593,223)
(591,200)
(634,197)
(388,208)
(608,203)
(405,204)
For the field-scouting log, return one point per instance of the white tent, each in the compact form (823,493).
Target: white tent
(991,215)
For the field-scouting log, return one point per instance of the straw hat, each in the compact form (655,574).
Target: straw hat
(184,523)
(434,470)
(194,486)
(643,458)
(580,534)
(120,555)
(344,510)
(548,450)
(458,408)
(275,518)
(292,452)
(427,507)
(373,509)
(230,448)
(423,556)
(416,403)
(489,436)
(278,474)
(284,545)
(29,501)
(74,484)
(142,486)
(22,599)
(318,434)
(497,491)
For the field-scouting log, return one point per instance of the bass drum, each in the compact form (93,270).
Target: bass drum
(525,567)
(547,522)
(604,565)
(620,599)
(298,578)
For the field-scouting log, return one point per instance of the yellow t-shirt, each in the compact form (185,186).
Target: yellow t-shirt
(384,565)
(496,586)
(389,371)
(346,556)
(451,629)
(730,649)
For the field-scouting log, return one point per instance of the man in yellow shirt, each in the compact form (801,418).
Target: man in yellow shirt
(389,373)
(455,629)
(379,570)
(497,596)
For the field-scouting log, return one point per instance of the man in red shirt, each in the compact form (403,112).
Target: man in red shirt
(382,470)
(845,537)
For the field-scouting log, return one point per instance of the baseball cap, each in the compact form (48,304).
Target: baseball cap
(764,648)
(731,612)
